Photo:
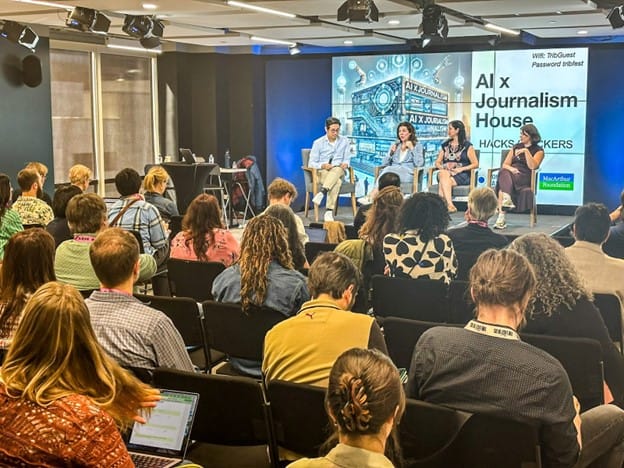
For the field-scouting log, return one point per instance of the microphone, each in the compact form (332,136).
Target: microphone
(397,146)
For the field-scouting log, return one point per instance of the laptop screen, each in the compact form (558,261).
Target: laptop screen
(168,428)
(316,235)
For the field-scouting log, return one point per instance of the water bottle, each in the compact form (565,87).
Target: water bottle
(227,159)
(211,159)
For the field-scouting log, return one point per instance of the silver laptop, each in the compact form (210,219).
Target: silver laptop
(163,440)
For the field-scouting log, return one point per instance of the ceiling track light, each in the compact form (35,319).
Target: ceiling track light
(294,50)
(260,9)
(272,41)
(494,41)
(616,17)
(46,4)
(434,23)
(147,29)
(87,20)
(19,34)
(358,11)
(501,29)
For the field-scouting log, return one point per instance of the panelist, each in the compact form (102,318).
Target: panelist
(515,174)
(455,160)
(330,155)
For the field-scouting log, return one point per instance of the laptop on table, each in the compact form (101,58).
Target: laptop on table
(162,441)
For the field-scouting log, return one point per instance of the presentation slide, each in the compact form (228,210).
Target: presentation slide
(493,92)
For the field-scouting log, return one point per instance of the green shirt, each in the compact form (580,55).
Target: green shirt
(10,224)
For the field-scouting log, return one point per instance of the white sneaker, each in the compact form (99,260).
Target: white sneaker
(500,222)
(507,201)
(318,198)
(329,216)
(365,200)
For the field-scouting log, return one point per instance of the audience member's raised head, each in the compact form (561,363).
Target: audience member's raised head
(281,191)
(5,193)
(62,196)
(203,215)
(264,241)
(389,179)
(80,176)
(114,256)
(592,223)
(426,213)
(482,204)
(27,178)
(55,354)
(86,213)
(28,263)
(382,218)
(128,182)
(365,401)
(156,180)
(39,168)
(559,282)
(287,217)
(335,276)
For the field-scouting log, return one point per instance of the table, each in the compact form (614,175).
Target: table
(189,180)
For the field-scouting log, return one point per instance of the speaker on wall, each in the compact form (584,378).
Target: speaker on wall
(31,71)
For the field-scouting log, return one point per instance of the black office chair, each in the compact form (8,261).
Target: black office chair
(465,261)
(192,279)
(611,310)
(462,308)
(313,249)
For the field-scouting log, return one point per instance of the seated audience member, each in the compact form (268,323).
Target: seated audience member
(420,249)
(561,304)
(154,187)
(10,222)
(365,402)
(132,333)
(303,348)
(386,180)
(288,219)
(601,273)
(264,276)
(58,227)
(476,237)
(80,176)
(282,192)
(42,170)
(28,263)
(203,237)
(30,208)
(133,213)
(86,216)
(614,245)
(61,397)
(486,368)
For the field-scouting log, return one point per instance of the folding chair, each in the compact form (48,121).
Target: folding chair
(192,279)
(462,309)
(610,308)
(459,192)
(313,249)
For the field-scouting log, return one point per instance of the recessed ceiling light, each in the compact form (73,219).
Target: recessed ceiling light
(558,12)
(348,42)
(582,32)
(149,6)
(552,22)
(394,22)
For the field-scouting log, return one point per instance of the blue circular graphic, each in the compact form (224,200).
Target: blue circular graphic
(352,64)
(417,64)
(382,65)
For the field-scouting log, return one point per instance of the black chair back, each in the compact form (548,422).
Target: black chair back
(144,375)
(299,417)
(312,249)
(611,310)
(420,299)
(137,236)
(175,226)
(462,309)
(465,261)
(229,330)
(192,279)
(582,360)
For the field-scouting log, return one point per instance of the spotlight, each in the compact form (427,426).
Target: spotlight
(434,23)
(358,11)
(20,34)
(146,28)
(494,41)
(616,17)
(86,19)
(426,41)
(294,50)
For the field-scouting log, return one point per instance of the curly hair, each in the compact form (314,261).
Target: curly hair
(426,213)
(264,240)
(558,281)
(202,217)
(382,218)
(287,217)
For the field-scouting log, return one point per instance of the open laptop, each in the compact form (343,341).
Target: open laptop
(163,440)
(316,234)
(187,156)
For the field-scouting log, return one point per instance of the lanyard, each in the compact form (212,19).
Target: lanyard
(483,224)
(492,330)
(83,238)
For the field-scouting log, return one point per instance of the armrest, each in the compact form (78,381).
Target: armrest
(490,174)
(473,177)
(351,175)
(313,175)
(419,172)
(430,172)
(534,180)
(378,169)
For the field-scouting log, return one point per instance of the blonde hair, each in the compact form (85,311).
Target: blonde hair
(559,283)
(280,188)
(482,203)
(155,176)
(79,174)
(55,353)
(38,167)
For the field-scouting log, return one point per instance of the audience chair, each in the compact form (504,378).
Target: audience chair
(300,421)
(236,334)
(313,249)
(465,261)
(187,317)
(419,299)
(460,192)
(565,241)
(402,335)
(192,279)
(33,226)
(610,308)
(525,192)
(313,186)
(144,375)
(175,226)
(232,411)
(462,309)
(407,187)
(582,360)
(433,436)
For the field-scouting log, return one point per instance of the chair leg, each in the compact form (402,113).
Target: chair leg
(353,204)
(316,212)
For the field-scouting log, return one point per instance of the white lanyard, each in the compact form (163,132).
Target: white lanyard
(492,330)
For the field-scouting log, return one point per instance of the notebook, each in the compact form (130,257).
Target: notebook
(163,440)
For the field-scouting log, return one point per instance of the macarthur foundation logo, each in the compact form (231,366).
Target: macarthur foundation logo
(556,182)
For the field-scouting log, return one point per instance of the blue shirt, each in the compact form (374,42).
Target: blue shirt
(144,218)
(323,152)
